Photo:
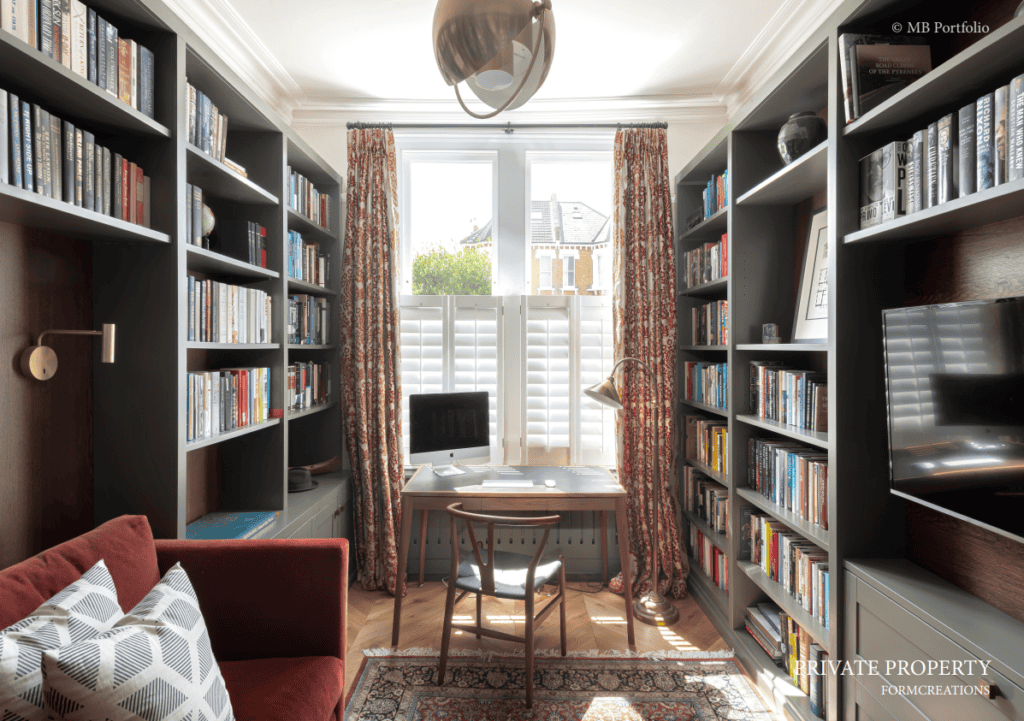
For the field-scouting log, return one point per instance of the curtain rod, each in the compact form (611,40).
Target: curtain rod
(507,128)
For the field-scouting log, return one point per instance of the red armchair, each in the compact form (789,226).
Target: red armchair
(275,609)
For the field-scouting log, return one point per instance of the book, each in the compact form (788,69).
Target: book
(229,525)
(146,79)
(101,52)
(97,179)
(46,27)
(871,189)
(916,173)
(36,132)
(28,165)
(967,144)
(124,71)
(948,158)
(79,38)
(815,680)
(69,163)
(65,33)
(56,160)
(140,196)
(894,181)
(984,166)
(32,13)
(14,122)
(115,187)
(79,168)
(763,642)
(146,202)
(57,23)
(125,196)
(107,200)
(14,19)
(132,193)
(5,141)
(133,73)
(999,134)
(883,70)
(931,167)
(88,170)
(43,157)
(197,215)
(111,52)
(1015,144)
(91,44)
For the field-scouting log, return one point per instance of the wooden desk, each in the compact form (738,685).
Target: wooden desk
(572,492)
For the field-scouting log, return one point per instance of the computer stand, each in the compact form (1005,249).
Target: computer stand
(447,471)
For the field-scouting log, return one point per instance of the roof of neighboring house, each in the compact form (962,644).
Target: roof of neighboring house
(553,221)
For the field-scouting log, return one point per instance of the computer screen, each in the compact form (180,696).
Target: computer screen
(447,427)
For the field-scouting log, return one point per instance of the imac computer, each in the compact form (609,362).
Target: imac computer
(449,427)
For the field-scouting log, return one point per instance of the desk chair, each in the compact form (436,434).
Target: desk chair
(504,575)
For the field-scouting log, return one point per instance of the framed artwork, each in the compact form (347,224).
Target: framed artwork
(811,322)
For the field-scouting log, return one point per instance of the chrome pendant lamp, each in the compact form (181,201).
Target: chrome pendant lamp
(502,49)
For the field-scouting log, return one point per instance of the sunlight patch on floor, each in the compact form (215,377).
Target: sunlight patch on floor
(608,620)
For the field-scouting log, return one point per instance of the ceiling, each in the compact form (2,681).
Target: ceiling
(318,60)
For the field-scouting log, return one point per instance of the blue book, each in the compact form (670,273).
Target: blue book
(815,679)
(229,525)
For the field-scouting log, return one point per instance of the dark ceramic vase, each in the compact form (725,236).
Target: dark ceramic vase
(801,132)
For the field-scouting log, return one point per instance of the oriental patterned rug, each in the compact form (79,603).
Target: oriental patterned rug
(589,688)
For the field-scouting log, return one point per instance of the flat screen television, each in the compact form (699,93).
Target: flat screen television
(449,427)
(955,396)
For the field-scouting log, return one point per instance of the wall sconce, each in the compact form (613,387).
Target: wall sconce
(40,361)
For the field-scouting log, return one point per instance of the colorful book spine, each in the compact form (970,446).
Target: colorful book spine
(985,165)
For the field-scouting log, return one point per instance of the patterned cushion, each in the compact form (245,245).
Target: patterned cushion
(83,610)
(156,664)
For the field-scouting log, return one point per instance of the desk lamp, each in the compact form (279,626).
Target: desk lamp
(653,609)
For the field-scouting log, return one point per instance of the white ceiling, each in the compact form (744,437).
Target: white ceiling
(658,59)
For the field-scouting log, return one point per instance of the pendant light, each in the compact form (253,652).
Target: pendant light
(502,49)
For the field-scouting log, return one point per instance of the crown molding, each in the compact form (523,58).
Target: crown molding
(327,112)
(221,27)
(789,28)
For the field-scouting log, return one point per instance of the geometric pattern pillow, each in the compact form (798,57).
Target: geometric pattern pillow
(83,610)
(156,664)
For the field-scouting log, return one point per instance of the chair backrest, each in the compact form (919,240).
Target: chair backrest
(487,569)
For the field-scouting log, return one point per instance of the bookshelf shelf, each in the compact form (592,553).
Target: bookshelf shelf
(786,602)
(801,179)
(712,289)
(1002,202)
(786,694)
(297,221)
(208,261)
(720,540)
(299,286)
(218,181)
(784,429)
(706,408)
(720,597)
(231,435)
(813,533)
(989,62)
(708,471)
(25,70)
(716,224)
(292,414)
(702,348)
(23,207)
(303,346)
(783,347)
(194,345)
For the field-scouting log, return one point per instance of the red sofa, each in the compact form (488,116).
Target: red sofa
(275,610)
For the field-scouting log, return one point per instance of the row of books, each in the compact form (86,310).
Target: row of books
(706,383)
(73,35)
(709,323)
(706,499)
(707,441)
(221,525)
(716,194)
(304,198)
(307,320)
(222,313)
(305,261)
(223,400)
(706,264)
(873,68)
(791,646)
(796,564)
(795,397)
(792,476)
(711,559)
(208,128)
(51,157)
(308,385)
(977,148)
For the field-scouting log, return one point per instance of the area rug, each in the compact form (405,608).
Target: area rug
(403,688)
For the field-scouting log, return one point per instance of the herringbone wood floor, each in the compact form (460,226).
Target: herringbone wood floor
(595,621)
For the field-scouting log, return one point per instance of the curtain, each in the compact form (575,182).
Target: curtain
(370,358)
(644,327)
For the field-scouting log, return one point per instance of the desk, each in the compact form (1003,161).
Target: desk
(572,492)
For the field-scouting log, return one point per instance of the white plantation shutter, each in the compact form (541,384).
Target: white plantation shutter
(423,356)
(547,369)
(476,358)
(596,357)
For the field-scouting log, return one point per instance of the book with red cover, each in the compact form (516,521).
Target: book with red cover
(140,195)
(263,247)
(130,180)
(125,200)
(124,71)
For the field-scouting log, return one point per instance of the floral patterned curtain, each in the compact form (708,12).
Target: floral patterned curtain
(644,323)
(370,361)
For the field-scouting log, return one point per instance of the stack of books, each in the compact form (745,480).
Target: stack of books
(309,385)
(229,525)
(708,263)
(716,194)
(790,475)
(710,323)
(208,128)
(711,559)
(706,499)
(224,400)
(223,313)
(307,320)
(707,442)
(794,397)
(305,262)
(706,383)
(304,198)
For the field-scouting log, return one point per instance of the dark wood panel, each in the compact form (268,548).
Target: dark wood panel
(203,482)
(985,262)
(46,461)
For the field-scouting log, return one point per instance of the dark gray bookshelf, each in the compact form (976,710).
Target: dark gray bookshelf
(718,539)
(232,434)
(301,286)
(708,471)
(219,181)
(299,222)
(213,263)
(704,407)
(814,533)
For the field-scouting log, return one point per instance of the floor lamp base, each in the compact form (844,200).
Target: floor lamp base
(655,610)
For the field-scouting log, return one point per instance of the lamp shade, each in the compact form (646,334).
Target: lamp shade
(605,393)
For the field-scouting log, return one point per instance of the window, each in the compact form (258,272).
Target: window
(529,336)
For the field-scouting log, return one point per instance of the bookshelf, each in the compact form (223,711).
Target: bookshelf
(142,461)
(968,248)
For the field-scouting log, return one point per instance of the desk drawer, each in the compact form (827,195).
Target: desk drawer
(879,629)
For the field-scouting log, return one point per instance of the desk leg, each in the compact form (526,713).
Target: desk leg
(604,547)
(423,542)
(627,577)
(403,557)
